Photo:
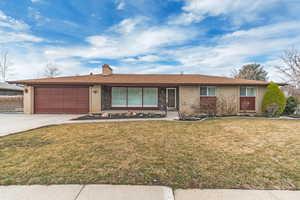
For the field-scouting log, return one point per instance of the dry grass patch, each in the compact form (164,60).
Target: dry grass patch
(223,153)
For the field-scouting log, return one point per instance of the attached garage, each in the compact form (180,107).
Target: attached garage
(61,99)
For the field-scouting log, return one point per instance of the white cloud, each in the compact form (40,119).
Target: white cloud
(95,62)
(148,68)
(239,11)
(12,30)
(8,37)
(186,19)
(235,49)
(128,25)
(142,47)
(2,16)
(150,58)
(121,5)
(139,46)
(35,14)
(35,1)
(146,58)
(129,60)
(11,23)
(138,42)
(28,61)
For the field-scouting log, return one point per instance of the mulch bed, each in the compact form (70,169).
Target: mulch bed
(293,116)
(201,117)
(129,115)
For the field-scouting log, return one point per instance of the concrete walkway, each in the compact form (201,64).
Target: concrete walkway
(85,192)
(126,192)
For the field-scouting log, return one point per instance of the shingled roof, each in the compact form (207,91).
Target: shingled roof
(142,79)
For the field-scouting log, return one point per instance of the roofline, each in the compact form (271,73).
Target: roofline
(212,76)
(156,84)
(45,81)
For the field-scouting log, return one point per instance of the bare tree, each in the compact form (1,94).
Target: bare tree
(4,67)
(51,70)
(251,72)
(291,67)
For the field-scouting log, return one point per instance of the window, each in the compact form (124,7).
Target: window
(119,97)
(208,91)
(134,97)
(247,92)
(150,97)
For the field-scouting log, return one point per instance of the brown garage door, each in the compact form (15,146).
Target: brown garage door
(61,99)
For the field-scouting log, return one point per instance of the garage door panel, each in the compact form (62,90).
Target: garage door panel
(62,99)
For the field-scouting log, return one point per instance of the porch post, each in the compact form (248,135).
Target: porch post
(95,99)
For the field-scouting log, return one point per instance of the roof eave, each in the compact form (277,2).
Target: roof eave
(130,83)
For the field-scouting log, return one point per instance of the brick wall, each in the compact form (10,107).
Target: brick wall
(11,103)
(208,105)
(189,99)
(247,103)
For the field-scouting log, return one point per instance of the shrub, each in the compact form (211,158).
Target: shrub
(291,105)
(272,109)
(226,105)
(274,95)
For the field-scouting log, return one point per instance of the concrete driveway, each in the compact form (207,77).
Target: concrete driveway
(14,123)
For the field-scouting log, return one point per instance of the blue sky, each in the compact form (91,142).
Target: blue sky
(147,36)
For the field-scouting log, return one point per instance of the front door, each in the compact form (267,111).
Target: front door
(171,98)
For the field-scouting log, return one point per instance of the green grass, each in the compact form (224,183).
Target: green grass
(223,153)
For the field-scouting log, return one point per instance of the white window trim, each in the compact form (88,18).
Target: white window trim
(207,91)
(247,91)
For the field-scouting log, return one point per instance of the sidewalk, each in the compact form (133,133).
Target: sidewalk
(126,192)
(85,192)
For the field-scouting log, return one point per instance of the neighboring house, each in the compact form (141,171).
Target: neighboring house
(188,93)
(291,91)
(10,90)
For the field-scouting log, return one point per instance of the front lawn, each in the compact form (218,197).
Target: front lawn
(222,153)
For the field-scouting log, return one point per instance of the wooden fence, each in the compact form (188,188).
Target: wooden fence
(11,103)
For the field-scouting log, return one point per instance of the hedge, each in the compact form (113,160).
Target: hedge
(274,95)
